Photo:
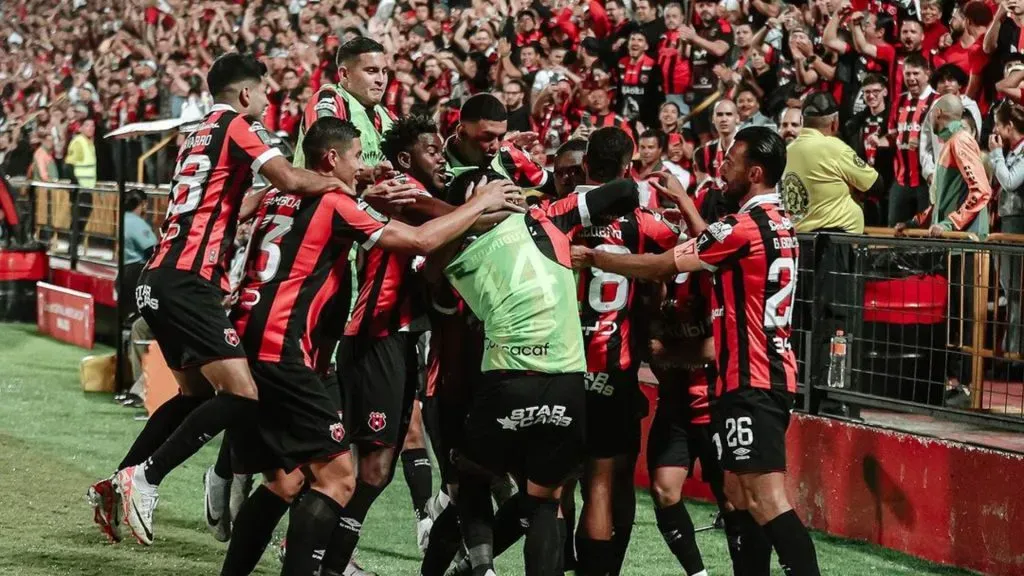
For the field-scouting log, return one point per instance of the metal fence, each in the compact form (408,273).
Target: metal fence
(933,324)
(80,223)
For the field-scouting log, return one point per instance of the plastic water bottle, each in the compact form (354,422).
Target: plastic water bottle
(837,361)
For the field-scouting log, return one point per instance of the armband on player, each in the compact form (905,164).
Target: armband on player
(685,256)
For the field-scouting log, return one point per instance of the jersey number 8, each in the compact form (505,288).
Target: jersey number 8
(602,279)
(189,178)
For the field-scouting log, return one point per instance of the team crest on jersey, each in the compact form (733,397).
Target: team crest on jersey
(377,421)
(337,431)
(231,337)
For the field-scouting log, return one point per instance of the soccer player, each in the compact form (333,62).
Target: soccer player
(298,258)
(180,292)
(377,358)
(752,255)
(610,313)
(480,142)
(527,412)
(363,72)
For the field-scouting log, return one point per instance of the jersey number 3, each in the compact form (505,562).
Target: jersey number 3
(273,228)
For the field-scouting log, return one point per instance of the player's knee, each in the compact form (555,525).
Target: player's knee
(765,505)
(735,494)
(336,482)
(665,493)
(414,438)
(285,486)
(376,468)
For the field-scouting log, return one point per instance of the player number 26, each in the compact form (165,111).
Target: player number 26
(189,178)
(738,432)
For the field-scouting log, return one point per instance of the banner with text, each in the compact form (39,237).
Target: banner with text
(66,315)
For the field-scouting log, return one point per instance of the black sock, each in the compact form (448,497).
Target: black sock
(569,520)
(252,530)
(159,428)
(560,567)
(444,543)
(594,557)
(205,422)
(476,521)
(345,535)
(676,528)
(623,516)
(222,467)
(793,544)
(752,547)
(543,545)
(310,526)
(508,523)
(416,467)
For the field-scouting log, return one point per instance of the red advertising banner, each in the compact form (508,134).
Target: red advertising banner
(65,314)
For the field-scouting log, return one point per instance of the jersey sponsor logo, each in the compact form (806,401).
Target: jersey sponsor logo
(597,383)
(377,421)
(601,327)
(337,431)
(720,230)
(256,127)
(633,90)
(517,349)
(144,298)
(535,415)
(231,336)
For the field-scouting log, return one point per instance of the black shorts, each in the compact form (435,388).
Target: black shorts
(299,421)
(531,426)
(187,319)
(675,441)
(749,428)
(379,378)
(614,411)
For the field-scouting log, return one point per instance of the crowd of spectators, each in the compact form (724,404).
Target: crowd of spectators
(686,75)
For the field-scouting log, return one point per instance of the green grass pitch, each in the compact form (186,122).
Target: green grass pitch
(55,441)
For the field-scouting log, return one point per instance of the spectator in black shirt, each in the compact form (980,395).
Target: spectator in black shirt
(862,133)
(708,47)
(518,113)
(652,26)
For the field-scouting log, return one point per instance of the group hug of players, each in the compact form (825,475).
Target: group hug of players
(532,371)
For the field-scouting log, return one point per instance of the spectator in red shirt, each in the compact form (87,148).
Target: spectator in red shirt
(934,29)
(969,23)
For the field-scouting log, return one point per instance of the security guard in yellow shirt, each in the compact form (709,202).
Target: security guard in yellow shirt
(822,171)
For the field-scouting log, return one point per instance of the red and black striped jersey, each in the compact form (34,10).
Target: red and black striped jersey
(675,68)
(387,301)
(714,154)
(296,264)
(607,301)
(393,96)
(753,256)
(905,122)
(215,168)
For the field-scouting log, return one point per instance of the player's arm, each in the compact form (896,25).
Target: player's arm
(251,203)
(673,189)
(299,181)
(611,200)
(429,237)
(249,142)
(652,267)
(424,208)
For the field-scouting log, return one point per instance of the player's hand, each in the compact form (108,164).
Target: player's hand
(496,195)
(581,257)
(936,231)
(687,33)
(670,186)
(900,229)
(370,175)
(393,192)
(524,140)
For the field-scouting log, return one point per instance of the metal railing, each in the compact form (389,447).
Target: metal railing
(933,323)
(80,223)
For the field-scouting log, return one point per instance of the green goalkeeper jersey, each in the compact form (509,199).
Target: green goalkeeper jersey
(525,299)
